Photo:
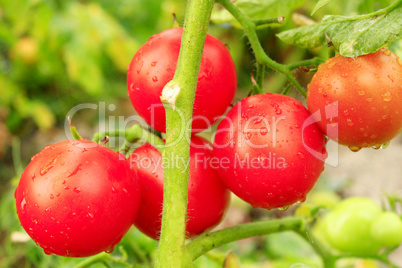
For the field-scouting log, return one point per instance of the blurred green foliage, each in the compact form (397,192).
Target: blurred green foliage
(55,54)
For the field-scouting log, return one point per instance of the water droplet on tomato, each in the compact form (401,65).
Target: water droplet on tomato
(361,92)
(354,148)
(386,52)
(349,122)
(33,177)
(140,67)
(369,99)
(300,155)
(325,94)
(278,111)
(51,196)
(155,79)
(77,190)
(153,64)
(23,205)
(283,208)
(387,96)
(47,251)
(110,249)
(377,146)
(90,215)
(391,78)
(373,136)
(74,171)
(263,131)
(247,135)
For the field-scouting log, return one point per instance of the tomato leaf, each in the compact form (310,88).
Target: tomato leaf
(351,35)
(257,9)
(319,5)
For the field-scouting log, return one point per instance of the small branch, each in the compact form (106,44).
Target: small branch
(279,20)
(208,241)
(260,55)
(310,62)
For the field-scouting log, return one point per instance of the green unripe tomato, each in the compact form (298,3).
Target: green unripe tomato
(387,229)
(324,198)
(348,226)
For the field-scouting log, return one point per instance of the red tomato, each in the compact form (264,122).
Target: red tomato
(364,95)
(154,65)
(208,197)
(77,198)
(270,152)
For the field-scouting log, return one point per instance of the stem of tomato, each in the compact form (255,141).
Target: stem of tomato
(178,96)
(249,26)
(208,241)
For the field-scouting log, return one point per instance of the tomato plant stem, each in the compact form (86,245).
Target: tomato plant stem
(208,241)
(262,58)
(179,95)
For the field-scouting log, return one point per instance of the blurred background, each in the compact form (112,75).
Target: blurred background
(57,54)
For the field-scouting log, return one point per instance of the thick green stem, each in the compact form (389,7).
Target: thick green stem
(178,95)
(208,241)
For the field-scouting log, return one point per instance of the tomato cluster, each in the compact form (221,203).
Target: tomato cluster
(78,198)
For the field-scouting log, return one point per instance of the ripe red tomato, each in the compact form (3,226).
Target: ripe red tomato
(154,65)
(270,153)
(77,198)
(364,95)
(208,197)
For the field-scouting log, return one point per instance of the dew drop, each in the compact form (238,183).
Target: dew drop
(90,215)
(320,90)
(153,64)
(110,249)
(349,122)
(386,52)
(391,78)
(125,190)
(300,155)
(51,196)
(263,131)
(377,146)
(354,148)
(155,79)
(247,135)
(48,166)
(283,208)
(77,190)
(23,204)
(33,177)
(278,111)
(361,92)
(373,136)
(369,99)
(140,67)
(47,251)
(387,96)
(325,94)
(385,145)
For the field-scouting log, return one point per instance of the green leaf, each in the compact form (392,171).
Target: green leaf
(319,5)
(257,9)
(351,35)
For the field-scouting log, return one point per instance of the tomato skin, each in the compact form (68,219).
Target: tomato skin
(368,89)
(348,226)
(208,198)
(77,198)
(154,65)
(261,147)
(387,229)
